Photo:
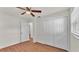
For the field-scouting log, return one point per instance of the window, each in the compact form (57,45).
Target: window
(75,22)
(75,28)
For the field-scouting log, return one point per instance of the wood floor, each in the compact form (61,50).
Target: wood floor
(29,46)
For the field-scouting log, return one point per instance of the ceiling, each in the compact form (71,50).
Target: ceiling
(45,11)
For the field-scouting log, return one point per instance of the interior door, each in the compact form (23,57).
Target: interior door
(24,32)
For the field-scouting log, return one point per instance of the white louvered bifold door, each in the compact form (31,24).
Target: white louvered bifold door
(52,32)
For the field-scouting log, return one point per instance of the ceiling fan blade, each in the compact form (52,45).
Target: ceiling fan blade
(38,11)
(21,8)
(28,8)
(23,13)
(32,14)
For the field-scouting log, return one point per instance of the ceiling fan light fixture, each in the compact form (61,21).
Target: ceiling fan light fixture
(27,12)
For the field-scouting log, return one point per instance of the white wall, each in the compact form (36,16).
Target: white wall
(74,40)
(47,31)
(10,30)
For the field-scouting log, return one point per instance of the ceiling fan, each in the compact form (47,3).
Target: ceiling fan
(28,10)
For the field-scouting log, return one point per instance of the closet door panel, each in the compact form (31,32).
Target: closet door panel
(52,32)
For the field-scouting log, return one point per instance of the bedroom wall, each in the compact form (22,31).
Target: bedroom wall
(10,30)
